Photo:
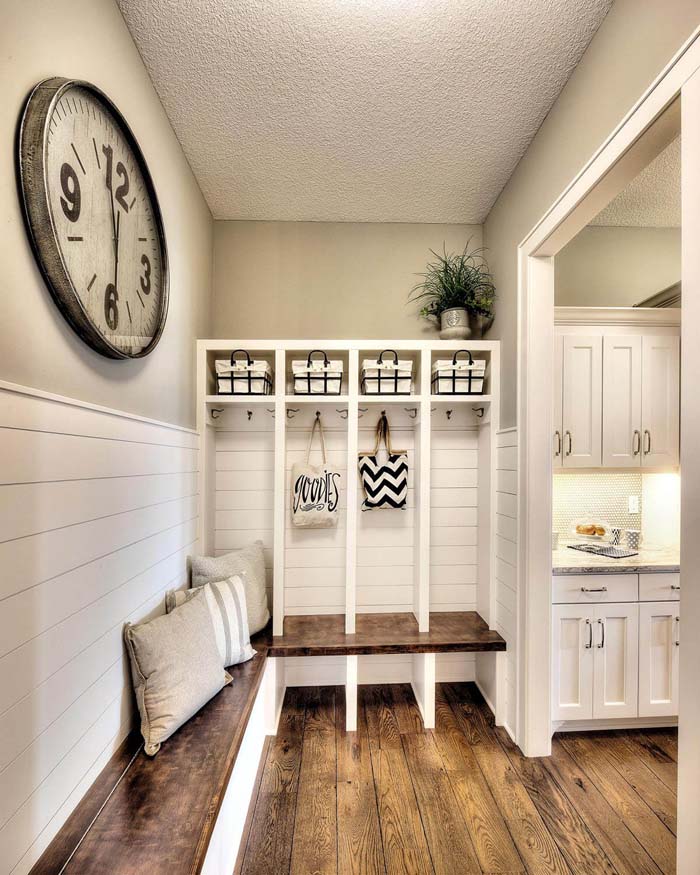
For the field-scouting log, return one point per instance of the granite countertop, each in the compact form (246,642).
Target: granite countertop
(662,559)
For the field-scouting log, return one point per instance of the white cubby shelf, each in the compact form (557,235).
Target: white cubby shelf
(417,581)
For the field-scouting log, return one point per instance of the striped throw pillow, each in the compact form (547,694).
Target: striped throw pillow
(227,607)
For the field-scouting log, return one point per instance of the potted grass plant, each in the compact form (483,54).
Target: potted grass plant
(457,292)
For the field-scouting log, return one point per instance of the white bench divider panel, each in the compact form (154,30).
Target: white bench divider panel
(436,555)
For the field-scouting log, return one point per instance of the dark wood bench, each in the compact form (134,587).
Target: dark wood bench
(171,815)
(157,815)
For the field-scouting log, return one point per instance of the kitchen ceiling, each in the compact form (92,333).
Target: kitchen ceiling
(358,110)
(653,198)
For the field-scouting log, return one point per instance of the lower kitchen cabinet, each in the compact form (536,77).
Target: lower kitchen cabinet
(595,661)
(659,643)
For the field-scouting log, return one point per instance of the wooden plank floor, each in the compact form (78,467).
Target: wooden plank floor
(397,800)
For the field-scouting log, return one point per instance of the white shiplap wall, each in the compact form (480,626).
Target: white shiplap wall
(98,514)
(315,559)
(506,563)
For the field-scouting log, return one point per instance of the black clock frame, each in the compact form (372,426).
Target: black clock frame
(34,194)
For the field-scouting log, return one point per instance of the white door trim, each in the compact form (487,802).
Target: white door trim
(650,125)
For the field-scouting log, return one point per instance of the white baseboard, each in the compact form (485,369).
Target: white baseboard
(629,723)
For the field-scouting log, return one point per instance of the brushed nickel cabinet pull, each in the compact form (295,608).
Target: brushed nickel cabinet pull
(557,434)
(590,634)
(594,589)
(602,634)
(676,586)
(647,439)
(677,642)
(570,445)
(636,442)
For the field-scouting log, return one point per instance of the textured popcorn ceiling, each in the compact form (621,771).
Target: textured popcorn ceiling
(358,110)
(653,198)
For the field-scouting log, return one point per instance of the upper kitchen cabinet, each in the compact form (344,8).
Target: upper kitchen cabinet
(640,400)
(581,401)
(616,402)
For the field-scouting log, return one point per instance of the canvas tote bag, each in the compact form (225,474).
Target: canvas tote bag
(315,489)
(385,485)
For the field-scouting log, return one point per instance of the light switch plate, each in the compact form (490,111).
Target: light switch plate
(633,504)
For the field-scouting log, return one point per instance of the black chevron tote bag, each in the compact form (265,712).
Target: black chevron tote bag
(385,485)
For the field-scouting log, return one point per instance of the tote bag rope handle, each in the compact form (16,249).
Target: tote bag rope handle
(383,431)
(317,422)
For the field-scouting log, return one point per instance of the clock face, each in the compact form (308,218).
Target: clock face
(94,217)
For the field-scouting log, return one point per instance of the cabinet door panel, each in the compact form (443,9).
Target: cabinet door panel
(582,401)
(615,661)
(572,697)
(622,401)
(660,400)
(659,631)
(557,415)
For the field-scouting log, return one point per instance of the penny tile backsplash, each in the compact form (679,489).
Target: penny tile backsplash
(599,494)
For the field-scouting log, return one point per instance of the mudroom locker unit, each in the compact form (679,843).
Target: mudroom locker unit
(389,595)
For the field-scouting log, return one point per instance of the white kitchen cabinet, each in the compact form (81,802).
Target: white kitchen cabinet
(659,645)
(572,646)
(595,661)
(622,401)
(582,400)
(660,400)
(615,661)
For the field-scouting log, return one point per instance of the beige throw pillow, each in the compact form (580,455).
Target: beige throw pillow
(175,667)
(248,564)
(227,609)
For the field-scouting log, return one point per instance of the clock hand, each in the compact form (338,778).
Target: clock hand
(116,250)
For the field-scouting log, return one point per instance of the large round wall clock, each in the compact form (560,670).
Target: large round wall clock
(93,217)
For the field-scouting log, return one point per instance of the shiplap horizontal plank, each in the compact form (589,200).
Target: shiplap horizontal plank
(507,550)
(245,500)
(507,458)
(315,578)
(40,642)
(454,478)
(31,508)
(399,596)
(507,481)
(506,527)
(22,408)
(453,497)
(507,504)
(453,555)
(246,481)
(507,438)
(452,593)
(453,459)
(453,574)
(29,561)
(245,460)
(507,597)
(453,536)
(386,537)
(35,457)
(377,557)
(378,577)
(506,572)
(318,557)
(453,516)
(455,439)
(313,597)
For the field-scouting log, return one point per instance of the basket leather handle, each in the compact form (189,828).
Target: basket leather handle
(249,361)
(313,352)
(454,357)
(380,358)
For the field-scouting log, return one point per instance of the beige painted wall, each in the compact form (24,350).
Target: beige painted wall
(88,39)
(632,46)
(322,279)
(605,266)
